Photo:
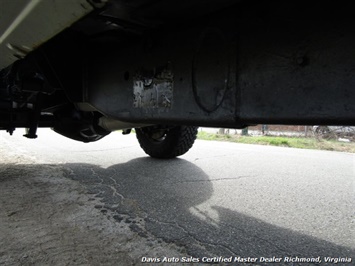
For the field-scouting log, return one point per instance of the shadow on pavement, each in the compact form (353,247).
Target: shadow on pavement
(163,193)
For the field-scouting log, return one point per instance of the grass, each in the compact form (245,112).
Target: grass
(293,142)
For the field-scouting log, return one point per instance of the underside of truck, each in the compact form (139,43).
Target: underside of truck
(89,67)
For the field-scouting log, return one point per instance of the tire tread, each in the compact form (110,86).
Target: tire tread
(179,140)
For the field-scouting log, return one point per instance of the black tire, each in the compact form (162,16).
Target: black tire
(166,142)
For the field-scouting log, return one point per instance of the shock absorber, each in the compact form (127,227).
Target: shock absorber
(20,99)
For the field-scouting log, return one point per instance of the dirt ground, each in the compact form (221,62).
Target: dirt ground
(48,219)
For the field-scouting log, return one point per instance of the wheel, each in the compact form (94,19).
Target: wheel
(166,142)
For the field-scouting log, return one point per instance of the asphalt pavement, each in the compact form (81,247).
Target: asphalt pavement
(220,200)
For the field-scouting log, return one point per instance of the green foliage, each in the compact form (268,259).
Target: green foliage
(293,142)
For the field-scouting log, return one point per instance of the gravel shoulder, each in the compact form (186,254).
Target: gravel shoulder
(48,219)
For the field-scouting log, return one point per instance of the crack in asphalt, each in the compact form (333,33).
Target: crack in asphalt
(202,244)
(212,180)
(115,192)
(240,153)
(96,175)
(216,156)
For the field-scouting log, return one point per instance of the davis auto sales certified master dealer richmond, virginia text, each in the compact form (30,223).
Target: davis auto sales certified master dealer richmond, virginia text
(248,259)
